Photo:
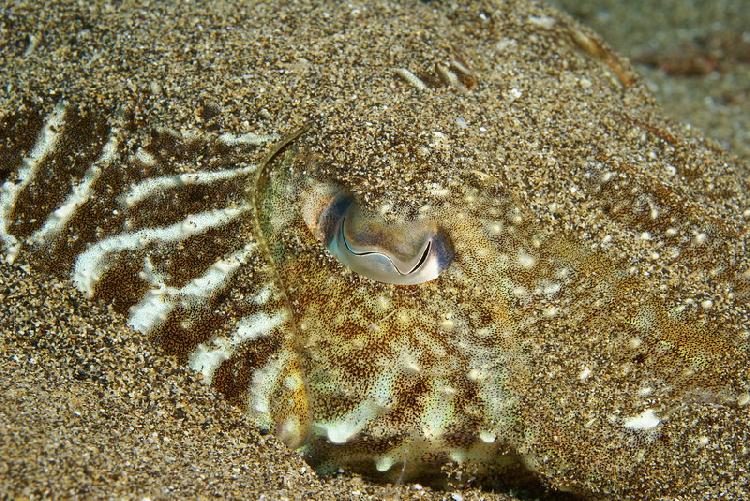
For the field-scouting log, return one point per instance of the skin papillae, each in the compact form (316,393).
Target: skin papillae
(590,330)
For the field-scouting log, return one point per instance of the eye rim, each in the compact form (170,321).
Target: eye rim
(335,206)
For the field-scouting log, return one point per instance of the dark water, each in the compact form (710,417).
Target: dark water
(694,55)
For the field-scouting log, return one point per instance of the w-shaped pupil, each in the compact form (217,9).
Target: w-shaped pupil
(422,259)
(384,252)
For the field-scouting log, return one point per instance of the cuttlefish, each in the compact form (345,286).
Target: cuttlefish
(404,238)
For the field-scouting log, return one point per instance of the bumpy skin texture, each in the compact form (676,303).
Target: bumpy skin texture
(592,327)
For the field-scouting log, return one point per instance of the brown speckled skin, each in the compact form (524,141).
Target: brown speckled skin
(600,267)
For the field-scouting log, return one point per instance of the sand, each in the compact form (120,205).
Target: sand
(91,409)
(87,413)
(694,55)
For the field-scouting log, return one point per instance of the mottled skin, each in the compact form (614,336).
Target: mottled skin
(592,327)
(440,359)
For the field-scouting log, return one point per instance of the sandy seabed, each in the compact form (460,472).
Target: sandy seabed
(87,412)
(91,409)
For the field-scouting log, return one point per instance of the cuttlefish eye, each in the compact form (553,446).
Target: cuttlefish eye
(404,254)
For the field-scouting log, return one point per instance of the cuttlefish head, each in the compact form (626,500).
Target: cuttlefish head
(414,309)
(401,318)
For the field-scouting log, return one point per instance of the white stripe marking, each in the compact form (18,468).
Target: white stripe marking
(646,420)
(264,382)
(91,264)
(263,295)
(249,138)
(45,144)
(340,430)
(438,412)
(207,357)
(145,157)
(145,189)
(256,326)
(156,305)
(80,193)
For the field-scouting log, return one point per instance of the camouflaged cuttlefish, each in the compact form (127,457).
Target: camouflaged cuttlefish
(402,236)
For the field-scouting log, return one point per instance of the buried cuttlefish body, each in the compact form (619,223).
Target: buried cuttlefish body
(499,259)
